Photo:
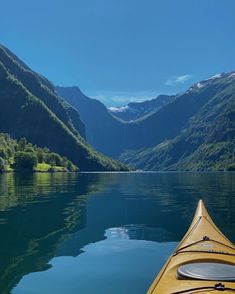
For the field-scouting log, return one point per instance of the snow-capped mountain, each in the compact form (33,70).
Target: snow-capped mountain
(137,110)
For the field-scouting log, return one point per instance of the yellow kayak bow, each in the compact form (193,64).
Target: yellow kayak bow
(203,262)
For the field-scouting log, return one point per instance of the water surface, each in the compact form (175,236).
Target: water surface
(100,232)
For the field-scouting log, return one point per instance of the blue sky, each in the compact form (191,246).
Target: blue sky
(122,50)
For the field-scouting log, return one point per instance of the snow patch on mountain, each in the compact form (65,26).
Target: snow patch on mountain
(200,85)
(119,109)
(217,76)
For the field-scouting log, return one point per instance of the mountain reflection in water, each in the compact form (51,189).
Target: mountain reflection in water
(119,227)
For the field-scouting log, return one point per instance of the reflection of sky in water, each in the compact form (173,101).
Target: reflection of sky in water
(101,233)
(117,264)
(136,232)
(117,233)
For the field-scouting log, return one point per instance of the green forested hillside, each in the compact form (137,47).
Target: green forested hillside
(113,137)
(206,143)
(30,108)
(195,131)
(41,88)
(21,155)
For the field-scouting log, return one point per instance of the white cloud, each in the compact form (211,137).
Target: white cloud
(178,80)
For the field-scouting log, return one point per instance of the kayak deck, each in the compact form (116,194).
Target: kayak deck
(203,243)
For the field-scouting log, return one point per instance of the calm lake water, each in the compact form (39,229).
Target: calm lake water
(105,233)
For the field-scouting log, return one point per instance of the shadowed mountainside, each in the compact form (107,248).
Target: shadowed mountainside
(31,108)
(196,122)
(208,140)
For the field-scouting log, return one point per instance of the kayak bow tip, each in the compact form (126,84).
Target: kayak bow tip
(201,209)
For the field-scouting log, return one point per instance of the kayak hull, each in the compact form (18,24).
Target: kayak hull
(203,243)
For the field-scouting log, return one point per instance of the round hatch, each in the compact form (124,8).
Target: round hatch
(210,271)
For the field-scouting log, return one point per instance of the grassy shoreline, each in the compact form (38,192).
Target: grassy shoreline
(40,168)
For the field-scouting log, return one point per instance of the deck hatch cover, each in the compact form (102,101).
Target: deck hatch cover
(210,271)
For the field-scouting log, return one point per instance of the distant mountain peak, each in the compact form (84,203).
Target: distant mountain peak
(211,80)
(148,134)
(118,109)
(137,110)
(205,139)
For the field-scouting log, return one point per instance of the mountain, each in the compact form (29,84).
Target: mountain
(105,132)
(114,137)
(41,88)
(31,108)
(207,142)
(139,110)
(174,137)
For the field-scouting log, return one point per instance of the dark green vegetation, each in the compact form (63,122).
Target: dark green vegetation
(20,155)
(195,131)
(207,141)
(31,108)
(190,131)
(140,110)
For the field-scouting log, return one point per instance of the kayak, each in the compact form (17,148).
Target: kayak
(203,262)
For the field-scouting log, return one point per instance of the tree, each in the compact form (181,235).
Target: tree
(54,159)
(25,160)
(3,152)
(29,149)
(22,144)
(9,152)
(71,167)
(2,164)
(41,155)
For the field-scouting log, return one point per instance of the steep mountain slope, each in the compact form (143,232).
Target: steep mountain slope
(208,140)
(113,136)
(43,89)
(30,108)
(105,132)
(139,110)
